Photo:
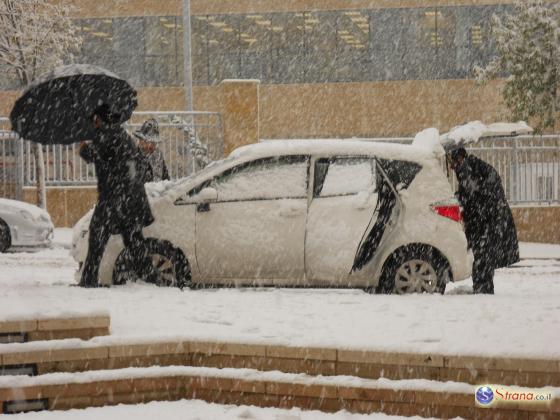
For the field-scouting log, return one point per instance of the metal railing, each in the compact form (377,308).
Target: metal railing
(188,141)
(528,165)
(10,162)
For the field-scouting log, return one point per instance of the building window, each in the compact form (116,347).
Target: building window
(301,47)
(161,65)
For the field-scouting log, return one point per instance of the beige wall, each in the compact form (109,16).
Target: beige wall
(123,8)
(373,109)
(263,6)
(538,224)
(112,8)
(369,109)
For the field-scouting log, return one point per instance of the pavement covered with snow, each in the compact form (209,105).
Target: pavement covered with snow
(522,319)
(196,410)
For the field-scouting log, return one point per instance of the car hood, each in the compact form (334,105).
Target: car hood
(14,206)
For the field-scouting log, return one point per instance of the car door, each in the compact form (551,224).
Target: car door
(255,230)
(341,209)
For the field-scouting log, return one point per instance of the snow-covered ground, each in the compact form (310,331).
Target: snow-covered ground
(522,319)
(196,410)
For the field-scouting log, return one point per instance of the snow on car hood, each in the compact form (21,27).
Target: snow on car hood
(16,206)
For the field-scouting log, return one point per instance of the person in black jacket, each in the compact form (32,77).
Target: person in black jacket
(122,205)
(489,224)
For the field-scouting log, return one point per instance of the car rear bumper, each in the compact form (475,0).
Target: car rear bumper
(462,267)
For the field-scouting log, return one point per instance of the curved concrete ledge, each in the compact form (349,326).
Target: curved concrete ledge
(106,353)
(83,327)
(265,389)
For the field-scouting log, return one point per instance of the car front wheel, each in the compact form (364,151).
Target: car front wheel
(414,269)
(165,266)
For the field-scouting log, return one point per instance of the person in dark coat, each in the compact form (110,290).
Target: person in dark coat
(148,140)
(122,205)
(488,220)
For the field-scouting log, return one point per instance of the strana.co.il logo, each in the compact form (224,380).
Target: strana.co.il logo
(484,395)
(489,395)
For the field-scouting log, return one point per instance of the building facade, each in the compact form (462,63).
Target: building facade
(328,68)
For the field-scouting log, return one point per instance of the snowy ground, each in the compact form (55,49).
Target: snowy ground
(196,410)
(522,319)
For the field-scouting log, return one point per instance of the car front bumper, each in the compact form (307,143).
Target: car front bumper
(31,237)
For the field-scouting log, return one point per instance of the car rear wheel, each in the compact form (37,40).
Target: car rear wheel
(5,236)
(166,266)
(414,269)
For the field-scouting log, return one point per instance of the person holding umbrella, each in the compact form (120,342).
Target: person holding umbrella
(80,101)
(122,207)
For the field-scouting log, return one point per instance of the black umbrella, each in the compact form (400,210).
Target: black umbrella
(57,107)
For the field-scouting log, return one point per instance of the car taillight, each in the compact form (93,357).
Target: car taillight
(451,211)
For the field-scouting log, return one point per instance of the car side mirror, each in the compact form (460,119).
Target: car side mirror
(207,195)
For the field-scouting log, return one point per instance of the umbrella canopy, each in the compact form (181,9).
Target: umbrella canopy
(57,107)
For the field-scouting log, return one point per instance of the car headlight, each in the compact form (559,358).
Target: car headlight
(45,218)
(27,216)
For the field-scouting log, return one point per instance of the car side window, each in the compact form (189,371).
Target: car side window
(341,176)
(400,173)
(264,179)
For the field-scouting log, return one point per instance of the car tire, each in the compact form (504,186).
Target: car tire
(169,262)
(416,268)
(5,236)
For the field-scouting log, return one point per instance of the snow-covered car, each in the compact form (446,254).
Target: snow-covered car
(23,225)
(325,213)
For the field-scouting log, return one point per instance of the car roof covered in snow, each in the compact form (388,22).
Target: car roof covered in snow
(317,147)
(331,147)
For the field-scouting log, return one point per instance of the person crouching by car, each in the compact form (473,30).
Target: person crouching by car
(489,224)
(122,205)
(148,140)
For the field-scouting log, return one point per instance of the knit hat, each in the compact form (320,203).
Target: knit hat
(149,131)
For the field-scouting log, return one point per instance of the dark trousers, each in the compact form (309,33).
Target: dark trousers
(99,235)
(482,273)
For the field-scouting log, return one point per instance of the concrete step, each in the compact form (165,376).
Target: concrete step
(264,389)
(113,353)
(84,326)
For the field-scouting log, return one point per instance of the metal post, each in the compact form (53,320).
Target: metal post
(187,53)
(19,168)
(515,171)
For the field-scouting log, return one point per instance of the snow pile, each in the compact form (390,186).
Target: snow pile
(475,130)
(462,135)
(428,139)
(456,323)
(198,410)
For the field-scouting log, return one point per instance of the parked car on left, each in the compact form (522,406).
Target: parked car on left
(23,225)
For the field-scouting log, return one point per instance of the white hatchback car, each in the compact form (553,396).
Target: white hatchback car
(325,213)
(23,225)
